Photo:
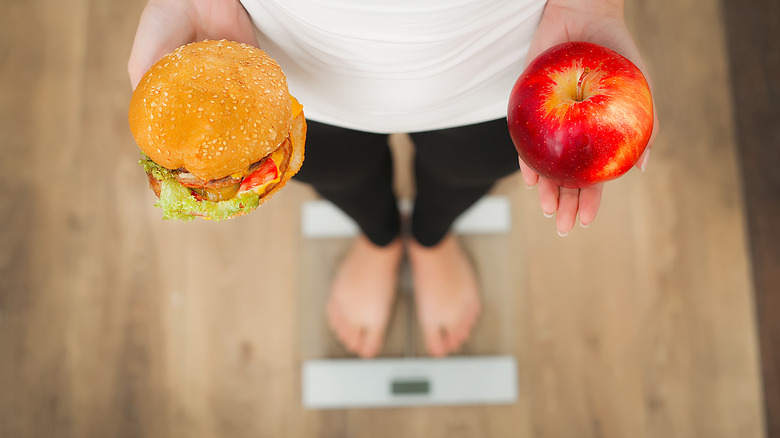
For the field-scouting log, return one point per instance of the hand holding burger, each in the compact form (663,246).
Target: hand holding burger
(218,128)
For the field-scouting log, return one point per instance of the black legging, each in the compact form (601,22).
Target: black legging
(453,169)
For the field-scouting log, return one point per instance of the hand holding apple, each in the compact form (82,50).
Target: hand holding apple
(580,114)
(601,22)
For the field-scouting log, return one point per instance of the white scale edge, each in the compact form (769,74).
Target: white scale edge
(489,215)
(359,383)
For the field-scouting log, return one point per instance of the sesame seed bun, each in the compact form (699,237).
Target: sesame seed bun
(212,108)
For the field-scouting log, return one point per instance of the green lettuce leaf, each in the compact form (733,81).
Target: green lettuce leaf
(155,169)
(177,201)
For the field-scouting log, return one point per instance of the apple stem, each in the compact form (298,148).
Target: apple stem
(580,84)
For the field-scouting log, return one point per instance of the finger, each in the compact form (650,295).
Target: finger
(548,33)
(627,47)
(590,199)
(166,25)
(641,163)
(656,125)
(163,27)
(229,21)
(568,202)
(529,176)
(548,196)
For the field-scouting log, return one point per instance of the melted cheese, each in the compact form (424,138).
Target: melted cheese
(296,107)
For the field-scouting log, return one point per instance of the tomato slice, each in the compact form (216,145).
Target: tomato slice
(265,174)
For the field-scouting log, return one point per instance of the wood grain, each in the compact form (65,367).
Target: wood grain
(116,323)
(754,49)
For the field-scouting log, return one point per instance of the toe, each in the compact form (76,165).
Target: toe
(351,337)
(453,341)
(371,343)
(435,341)
(335,317)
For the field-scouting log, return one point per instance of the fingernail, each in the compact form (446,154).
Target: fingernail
(643,167)
(563,234)
(547,215)
(584,225)
(529,187)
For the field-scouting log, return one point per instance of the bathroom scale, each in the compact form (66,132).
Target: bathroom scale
(408,380)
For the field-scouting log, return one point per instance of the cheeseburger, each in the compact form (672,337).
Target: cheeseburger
(220,133)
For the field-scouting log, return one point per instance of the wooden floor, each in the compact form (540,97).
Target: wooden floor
(754,54)
(114,323)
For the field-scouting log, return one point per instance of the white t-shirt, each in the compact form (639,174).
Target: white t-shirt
(398,65)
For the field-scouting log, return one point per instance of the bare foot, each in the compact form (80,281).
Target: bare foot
(446,294)
(362,295)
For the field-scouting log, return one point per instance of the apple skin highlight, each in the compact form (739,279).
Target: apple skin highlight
(580,114)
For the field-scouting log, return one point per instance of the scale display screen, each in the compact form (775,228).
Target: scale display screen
(410,387)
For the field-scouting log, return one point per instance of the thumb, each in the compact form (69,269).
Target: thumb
(163,27)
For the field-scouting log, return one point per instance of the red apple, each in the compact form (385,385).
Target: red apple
(580,114)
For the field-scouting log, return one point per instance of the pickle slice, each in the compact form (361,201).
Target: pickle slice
(218,194)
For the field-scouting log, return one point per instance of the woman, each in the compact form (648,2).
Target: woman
(439,70)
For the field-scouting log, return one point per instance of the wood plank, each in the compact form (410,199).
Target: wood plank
(754,50)
(41,69)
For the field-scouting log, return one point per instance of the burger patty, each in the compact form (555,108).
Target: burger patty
(189,180)
(221,189)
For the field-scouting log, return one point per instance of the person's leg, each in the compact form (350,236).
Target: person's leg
(453,168)
(353,170)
